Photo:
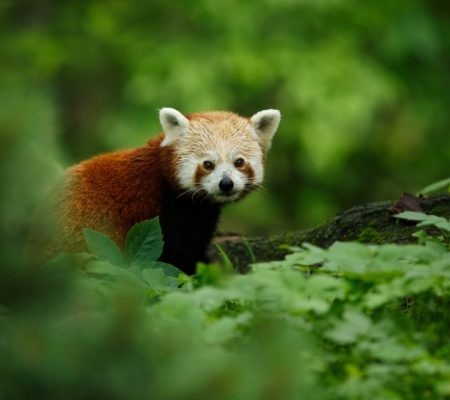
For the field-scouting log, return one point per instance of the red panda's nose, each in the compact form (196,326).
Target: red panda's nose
(226,185)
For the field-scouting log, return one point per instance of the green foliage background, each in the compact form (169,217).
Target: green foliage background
(363,88)
(364,92)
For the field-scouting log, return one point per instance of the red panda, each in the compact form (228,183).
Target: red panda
(185,176)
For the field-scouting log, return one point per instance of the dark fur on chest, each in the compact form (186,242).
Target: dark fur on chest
(188,225)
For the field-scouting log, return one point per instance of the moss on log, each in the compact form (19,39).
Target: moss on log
(371,223)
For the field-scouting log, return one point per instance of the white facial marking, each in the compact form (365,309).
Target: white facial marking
(220,138)
(187,167)
(258,169)
(226,169)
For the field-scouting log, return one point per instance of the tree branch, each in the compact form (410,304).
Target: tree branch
(371,223)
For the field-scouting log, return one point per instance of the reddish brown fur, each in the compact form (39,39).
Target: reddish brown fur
(111,192)
(200,173)
(248,170)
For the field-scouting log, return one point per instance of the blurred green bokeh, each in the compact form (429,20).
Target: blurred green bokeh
(363,88)
(364,91)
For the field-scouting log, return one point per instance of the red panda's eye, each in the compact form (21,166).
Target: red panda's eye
(239,162)
(209,165)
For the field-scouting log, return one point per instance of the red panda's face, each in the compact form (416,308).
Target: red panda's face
(219,154)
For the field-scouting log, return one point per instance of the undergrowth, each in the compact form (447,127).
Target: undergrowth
(353,321)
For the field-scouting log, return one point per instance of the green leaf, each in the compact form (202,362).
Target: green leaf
(221,331)
(302,304)
(412,216)
(308,255)
(168,269)
(155,278)
(158,282)
(425,219)
(349,257)
(391,350)
(102,247)
(354,325)
(102,268)
(225,259)
(325,287)
(107,271)
(144,242)
(438,222)
(434,187)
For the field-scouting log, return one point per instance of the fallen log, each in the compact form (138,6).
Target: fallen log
(371,223)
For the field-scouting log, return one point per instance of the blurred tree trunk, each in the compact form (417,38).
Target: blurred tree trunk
(371,223)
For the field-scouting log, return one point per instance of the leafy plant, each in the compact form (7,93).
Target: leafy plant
(353,321)
(139,261)
(426,220)
(443,184)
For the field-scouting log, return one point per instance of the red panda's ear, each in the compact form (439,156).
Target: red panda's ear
(266,124)
(174,125)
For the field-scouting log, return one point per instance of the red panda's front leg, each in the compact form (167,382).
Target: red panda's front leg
(188,226)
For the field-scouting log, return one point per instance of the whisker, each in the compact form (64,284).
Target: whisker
(198,190)
(249,186)
(183,193)
(194,189)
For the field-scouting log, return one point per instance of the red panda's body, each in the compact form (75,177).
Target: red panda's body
(168,178)
(112,192)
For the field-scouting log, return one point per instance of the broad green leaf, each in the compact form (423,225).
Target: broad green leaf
(412,216)
(267,266)
(434,187)
(180,306)
(392,350)
(438,222)
(102,268)
(309,255)
(155,277)
(102,247)
(349,257)
(222,330)
(425,220)
(144,242)
(348,330)
(304,304)
(158,281)
(326,287)
(168,269)
(210,298)
(124,276)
